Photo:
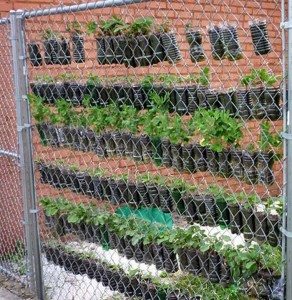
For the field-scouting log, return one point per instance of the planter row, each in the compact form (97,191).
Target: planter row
(257,102)
(102,187)
(57,51)
(197,208)
(225,44)
(254,225)
(116,280)
(148,50)
(208,264)
(138,51)
(255,167)
(142,50)
(224,41)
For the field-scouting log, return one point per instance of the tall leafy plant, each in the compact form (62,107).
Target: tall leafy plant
(141,26)
(177,131)
(259,77)
(40,111)
(204,77)
(65,113)
(268,140)
(217,128)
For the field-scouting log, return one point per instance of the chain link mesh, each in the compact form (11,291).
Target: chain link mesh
(157,148)
(12,243)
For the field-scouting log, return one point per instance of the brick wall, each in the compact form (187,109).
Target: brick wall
(225,74)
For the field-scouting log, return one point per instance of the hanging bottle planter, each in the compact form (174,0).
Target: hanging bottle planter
(100,44)
(265,166)
(34,53)
(217,46)
(231,43)
(180,100)
(242,103)
(51,49)
(250,167)
(257,100)
(236,164)
(78,48)
(194,38)
(56,49)
(171,48)
(260,39)
(227,101)
(143,51)
(75,29)
(73,91)
(137,44)
(109,50)
(272,101)
(191,91)
(157,48)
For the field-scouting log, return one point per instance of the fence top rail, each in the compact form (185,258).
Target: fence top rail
(71,8)
(4,21)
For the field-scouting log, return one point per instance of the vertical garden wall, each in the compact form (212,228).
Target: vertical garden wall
(157,149)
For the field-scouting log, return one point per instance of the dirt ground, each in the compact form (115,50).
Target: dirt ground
(15,288)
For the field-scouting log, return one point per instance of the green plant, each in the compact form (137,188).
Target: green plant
(74,27)
(177,132)
(190,238)
(73,168)
(93,80)
(48,34)
(91,27)
(141,26)
(113,117)
(65,113)
(250,147)
(96,172)
(155,124)
(259,77)
(159,103)
(67,77)
(170,79)
(40,111)
(231,199)
(178,184)
(147,81)
(129,119)
(217,128)
(54,207)
(98,218)
(78,214)
(243,261)
(97,118)
(218,192)
(271,259)
(268,140)
(167,237)
(17,257)
(204,77)
(112,26)
(164,26)
(250,201)
(44,79)
(275,205)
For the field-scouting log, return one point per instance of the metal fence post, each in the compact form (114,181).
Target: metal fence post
(288,187)
(26,152)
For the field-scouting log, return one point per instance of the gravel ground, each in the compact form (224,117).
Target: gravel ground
(12,290)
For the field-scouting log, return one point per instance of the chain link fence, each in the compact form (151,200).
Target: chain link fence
(157,149)
(13,262)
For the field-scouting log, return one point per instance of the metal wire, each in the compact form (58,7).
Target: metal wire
(157,146)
